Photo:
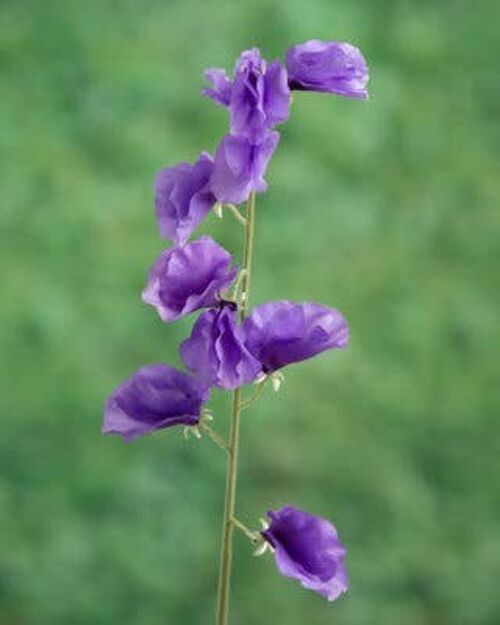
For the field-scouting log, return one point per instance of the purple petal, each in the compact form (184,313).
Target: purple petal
(280,333)
(261,156)
(276,94)
(240,167)
(182,198)
(215,352)
(328,66)
(184,279)
(307,548)
(221,86)
(154,397)
(248,117)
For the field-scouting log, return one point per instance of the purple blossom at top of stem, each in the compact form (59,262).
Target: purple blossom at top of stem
(258,97)
(185,279)
(307,548)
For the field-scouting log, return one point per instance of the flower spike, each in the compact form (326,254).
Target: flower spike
(229,346)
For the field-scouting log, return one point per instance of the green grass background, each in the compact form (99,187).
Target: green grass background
(386,209)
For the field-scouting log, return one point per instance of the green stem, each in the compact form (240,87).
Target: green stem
(232,465)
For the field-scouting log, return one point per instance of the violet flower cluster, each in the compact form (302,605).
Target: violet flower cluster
(227,348)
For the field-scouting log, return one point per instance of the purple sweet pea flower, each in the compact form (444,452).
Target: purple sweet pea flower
(215,352)
(184,279)
(183,198)
(307,548)
(240,167)
(283,332)
(328,66)
(154,397)
(258,98)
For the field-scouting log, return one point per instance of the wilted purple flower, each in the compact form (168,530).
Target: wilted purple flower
(155,397)
(183,198)
(307,548)
(258,98)
(329,66)
(282,332)
(215,351)
(184,279)
(240,167)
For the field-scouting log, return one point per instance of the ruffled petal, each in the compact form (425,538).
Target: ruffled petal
(221,89)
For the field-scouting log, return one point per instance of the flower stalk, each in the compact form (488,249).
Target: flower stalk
(237,215)
(261,386)
(253,536)
(226,553)
(215,436)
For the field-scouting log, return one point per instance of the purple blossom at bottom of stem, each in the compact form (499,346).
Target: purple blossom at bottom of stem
(154,397)
(328,66)
(184,279)
(183,197)
(307,548)
(240,167)
(282,332)
(215,351)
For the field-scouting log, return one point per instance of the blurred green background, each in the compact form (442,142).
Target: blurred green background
(386,209)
